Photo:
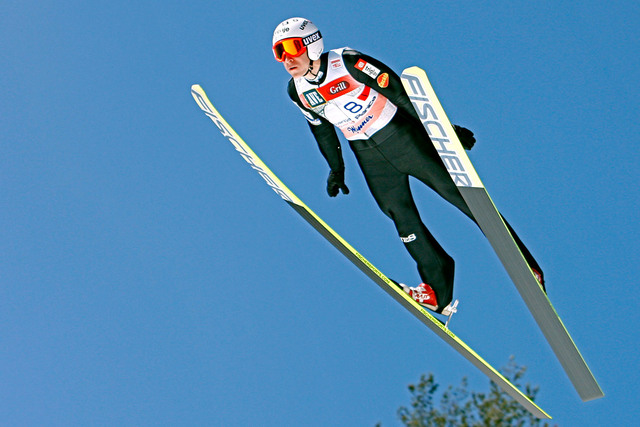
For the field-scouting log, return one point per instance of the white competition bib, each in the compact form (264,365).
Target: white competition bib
(355,108)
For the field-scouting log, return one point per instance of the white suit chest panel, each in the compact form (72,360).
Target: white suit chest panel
(356,109)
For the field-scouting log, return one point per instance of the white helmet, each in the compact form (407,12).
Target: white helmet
(303,32)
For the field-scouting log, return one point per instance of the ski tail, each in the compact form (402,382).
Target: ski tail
(464,175)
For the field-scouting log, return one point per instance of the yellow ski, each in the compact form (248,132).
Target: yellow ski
(357,259)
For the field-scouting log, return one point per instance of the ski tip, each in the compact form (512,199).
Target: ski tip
(413,68)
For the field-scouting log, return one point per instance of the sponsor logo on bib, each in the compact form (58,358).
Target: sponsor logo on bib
(339,87)
(314,98)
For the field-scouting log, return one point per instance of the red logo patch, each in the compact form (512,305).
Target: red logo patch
(337,88)
(383,80)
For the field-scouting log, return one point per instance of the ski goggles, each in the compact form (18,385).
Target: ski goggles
(293,47)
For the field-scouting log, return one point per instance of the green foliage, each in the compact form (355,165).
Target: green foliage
(460,407)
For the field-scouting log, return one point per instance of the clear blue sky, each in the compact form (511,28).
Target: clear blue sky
(149,277)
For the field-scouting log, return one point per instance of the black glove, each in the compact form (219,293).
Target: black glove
(335,183)
(465,136)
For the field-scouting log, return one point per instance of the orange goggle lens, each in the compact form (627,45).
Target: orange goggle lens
(291,47)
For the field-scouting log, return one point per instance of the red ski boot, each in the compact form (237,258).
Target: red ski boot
(424,295)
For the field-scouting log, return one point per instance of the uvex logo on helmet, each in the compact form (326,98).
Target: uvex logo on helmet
(312,38)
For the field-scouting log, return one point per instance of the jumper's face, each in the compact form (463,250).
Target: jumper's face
(296,66)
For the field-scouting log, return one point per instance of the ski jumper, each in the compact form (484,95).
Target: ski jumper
(366,100)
